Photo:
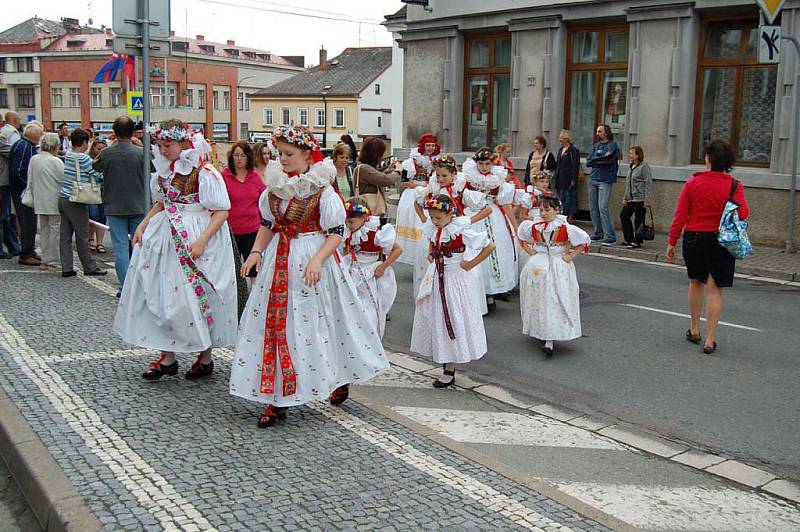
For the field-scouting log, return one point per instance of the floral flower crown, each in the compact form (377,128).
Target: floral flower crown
(446,161)
(542,174)
(355,209)
(439,205)
(484,154)
(297,136)
(173,133)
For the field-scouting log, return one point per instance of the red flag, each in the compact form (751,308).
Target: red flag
(130,69)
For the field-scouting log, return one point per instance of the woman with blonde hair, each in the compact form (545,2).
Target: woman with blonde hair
(96,212)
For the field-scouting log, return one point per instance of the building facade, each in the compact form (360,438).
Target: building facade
(667,76)
(205,84)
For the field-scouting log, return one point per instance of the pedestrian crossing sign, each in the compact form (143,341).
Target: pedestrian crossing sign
(135,103)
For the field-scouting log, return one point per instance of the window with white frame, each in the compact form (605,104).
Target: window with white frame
(302,116)
(338,117)
(173,101)
(246,102)
(157,96)
(26,98)
(201,98)
(268,116)
(190,97)
(116,96)
(56,98)
(96,96)
(377,89)
(215,98)
(226,100)
(74,97)
(241,101)
(285,116)
(320,112)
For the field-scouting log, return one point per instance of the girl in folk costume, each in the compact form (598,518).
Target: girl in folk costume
(529,202)
(365,243)
(418,169)
(549,297)
(500,271)
(448,325)
(180,290)
(305,334)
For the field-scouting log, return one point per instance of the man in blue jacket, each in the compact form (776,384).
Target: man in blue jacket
(603,159)
(18,160)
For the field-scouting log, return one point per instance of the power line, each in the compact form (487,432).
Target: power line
(306,15)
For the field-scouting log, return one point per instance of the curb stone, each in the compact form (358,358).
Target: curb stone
(53,500)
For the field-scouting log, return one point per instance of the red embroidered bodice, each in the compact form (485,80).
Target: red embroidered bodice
(559,237)
(365,246)
(300,216)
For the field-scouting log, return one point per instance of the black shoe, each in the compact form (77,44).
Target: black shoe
(634,245)
(4,255)
(96,273)
(269,417)
(446,373)
(157,370)
(71,273)
(199,370)
(708,350)
(503,297)
(548,351)
(340,395)
(692,338)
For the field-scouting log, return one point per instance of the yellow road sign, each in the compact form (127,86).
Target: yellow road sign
(135,103)
(770,8)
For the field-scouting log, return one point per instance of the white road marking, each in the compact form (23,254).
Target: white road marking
(504,428)
(24,271)
(468,486)
(691,508)
(152,491)
(670,313)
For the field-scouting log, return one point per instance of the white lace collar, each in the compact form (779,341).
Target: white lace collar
(458,225)
(549,226)
(484,182)
(458,185)
(188,160)
(362,233)
(422,160)
(316,178)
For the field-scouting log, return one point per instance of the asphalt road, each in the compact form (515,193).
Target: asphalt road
(634,364)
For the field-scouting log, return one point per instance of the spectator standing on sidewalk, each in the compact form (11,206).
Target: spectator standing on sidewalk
(9,134)
(97,212)
(603,159)
(19,159)
(45,175)
(125,191)
(697,214)
(75,216)
(565,180)
(637,198)
(64,144)
(263,155)
(539,159)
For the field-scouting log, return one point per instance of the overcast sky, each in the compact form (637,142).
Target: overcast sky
(246,21)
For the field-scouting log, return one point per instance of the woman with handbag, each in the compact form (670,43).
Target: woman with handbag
(697,214)
(637,199)
(369,182)
(80,188)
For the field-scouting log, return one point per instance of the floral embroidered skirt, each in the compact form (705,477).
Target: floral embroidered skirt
(549,297)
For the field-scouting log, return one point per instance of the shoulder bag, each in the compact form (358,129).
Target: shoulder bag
(733,231)
(374,200)
(87,193)
(644,231)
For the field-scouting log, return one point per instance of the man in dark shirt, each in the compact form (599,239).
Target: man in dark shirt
(125,191)
(18,160)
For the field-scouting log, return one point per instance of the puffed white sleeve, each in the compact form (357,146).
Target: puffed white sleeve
(267,219)
(578,237)
(420,194)
(507,194)
(473,200)
(385,237)
(475,239)
(213,193)
(155,191)
(524,231)
(331,212)
(408,166)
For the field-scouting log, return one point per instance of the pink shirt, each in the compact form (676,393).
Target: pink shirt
(244,216)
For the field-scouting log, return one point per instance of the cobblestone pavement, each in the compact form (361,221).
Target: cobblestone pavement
(179,454)
(15,516)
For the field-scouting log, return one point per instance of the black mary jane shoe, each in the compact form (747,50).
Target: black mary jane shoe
(708,350)
(446,373)
(695,339)
(158,370)
(269,417)
(280,412)
(548,351)
(199,370)
(340,395)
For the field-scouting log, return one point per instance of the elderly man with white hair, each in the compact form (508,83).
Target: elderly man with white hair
(45,175)
(19,158)
(9,134)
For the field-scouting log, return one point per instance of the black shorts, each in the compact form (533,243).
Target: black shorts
(244,243)
(704,256)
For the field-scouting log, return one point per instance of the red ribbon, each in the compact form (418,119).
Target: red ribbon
(438,258)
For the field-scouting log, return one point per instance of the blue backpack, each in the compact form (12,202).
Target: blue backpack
(733,231)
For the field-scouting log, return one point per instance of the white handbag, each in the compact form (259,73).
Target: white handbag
(88,193)
(27,196)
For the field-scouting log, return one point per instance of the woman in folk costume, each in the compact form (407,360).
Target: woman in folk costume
(369,252)
(180,290)
(305,334)
(417,172)
(549,293)
(448,325)
(500,271)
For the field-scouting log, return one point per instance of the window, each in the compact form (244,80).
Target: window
(157,96)
(190,97)
(116,97)
(74,97)
(268,116)
(377,89)
(2,64)
(244,130)
(487,90)
(24,64)
(96,96)
(216,100)
(302,116)
(320,112)
(246,102)
(226,100)
(338,117)
(179,46)
(56,98)
(379,122)
(735,94)
(285,116)
(172,96)
(26,98)
(240,99)
(201,98)
(4,98)
(597,82)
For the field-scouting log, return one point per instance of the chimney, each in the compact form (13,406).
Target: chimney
(231,42)
(323,58)
(109,31)
(172,33)
(200,37)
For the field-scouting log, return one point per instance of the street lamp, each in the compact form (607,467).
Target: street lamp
(325,90)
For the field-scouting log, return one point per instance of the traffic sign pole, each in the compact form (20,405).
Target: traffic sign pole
(145,25)
(789,244)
